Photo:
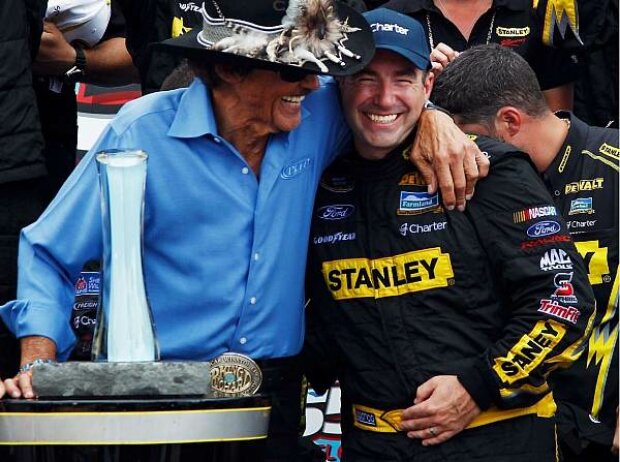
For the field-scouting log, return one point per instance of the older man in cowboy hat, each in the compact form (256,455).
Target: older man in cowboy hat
(233,168)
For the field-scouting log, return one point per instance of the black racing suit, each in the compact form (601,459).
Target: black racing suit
(403,290)
(584,181)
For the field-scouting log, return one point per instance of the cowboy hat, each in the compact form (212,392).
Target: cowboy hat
(313,36)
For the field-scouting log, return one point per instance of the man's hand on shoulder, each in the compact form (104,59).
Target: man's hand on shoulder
(442,409)
(447,158)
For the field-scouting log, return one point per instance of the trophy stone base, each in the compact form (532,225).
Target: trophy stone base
(137,379)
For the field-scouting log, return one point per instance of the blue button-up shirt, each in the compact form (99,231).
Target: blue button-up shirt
(224,252)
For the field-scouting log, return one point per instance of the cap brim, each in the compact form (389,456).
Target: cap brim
(418,60)
(360,43)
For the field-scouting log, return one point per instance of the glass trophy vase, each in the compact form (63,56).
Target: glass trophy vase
(125,331)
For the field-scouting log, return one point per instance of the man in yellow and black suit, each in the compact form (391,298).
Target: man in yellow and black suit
(441,326)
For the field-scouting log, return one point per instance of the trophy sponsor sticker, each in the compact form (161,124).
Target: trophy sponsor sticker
(234,374)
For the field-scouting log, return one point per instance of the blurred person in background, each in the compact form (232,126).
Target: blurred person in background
(544,32)
(89,48)
(24,188)
(82,41)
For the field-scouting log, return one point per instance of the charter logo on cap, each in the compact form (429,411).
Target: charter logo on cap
(400,34)
(380,27)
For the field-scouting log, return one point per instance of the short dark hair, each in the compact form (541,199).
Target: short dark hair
(485,78)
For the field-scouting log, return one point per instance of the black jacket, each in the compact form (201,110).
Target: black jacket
(516,24)
(20,132)
(584,181)
(149,22)
(403,290)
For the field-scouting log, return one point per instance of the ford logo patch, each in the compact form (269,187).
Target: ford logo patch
(335,212)
(543,228)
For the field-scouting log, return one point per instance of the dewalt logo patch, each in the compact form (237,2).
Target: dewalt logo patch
(389,276)
(584,185)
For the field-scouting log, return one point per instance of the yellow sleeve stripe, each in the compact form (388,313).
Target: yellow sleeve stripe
(603,158)
(601,347)
(574,351)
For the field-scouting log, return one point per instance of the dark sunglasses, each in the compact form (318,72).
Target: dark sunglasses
(292,75)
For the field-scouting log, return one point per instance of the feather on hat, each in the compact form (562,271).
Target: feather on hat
(317,36)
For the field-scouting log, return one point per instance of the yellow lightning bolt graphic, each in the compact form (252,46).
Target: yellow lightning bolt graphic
(178,28)
(601,346)
(563,14)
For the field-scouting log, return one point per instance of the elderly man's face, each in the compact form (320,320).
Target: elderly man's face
(383,102)
(275,104)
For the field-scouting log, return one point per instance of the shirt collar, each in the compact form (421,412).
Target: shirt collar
(577,133)
(194,117)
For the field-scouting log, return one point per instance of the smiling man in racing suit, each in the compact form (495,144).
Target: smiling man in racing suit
(442,327)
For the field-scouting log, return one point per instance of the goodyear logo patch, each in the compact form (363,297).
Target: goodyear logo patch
(512,31)
(584,185)
(530,351)
(416,202)
(389,276)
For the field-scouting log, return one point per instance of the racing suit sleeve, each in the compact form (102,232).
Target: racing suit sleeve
(542,281)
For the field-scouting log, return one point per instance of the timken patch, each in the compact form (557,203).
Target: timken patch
(389,276)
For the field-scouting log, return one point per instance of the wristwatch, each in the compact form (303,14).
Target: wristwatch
(78,71)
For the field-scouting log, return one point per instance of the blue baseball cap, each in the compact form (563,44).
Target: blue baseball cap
(401,34)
